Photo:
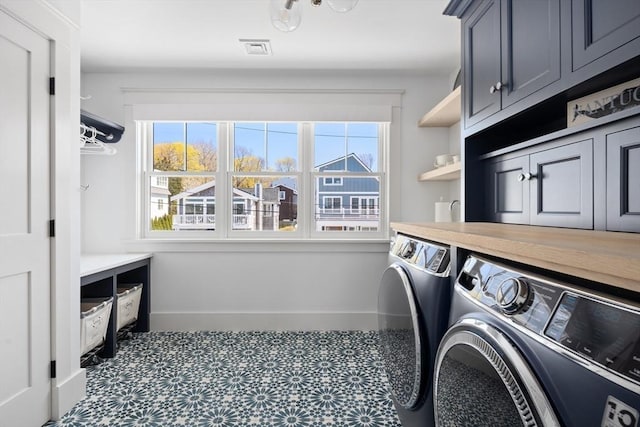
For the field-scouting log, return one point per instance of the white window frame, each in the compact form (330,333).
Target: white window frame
(384,132)
(144,132)
(297,175)
(306,177)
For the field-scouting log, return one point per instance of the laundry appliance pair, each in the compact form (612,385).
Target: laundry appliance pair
(504,346)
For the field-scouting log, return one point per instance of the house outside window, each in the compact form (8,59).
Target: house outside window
(348,182)
(226,179)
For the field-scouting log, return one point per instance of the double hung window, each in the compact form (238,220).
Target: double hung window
(230,179)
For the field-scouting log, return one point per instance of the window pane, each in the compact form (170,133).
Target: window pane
(264,204)
(185,146)
(187,203)
(202,147)
(363,142)
(168,146)
(282,147)
(265,147)
(354,206)
(349,147)
(330,146)
(260,193)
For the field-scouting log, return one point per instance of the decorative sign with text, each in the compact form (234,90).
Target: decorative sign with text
(603,103)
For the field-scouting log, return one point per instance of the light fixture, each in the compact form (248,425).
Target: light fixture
(342,5)
(286,14)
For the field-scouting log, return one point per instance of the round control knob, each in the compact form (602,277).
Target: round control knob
(512,295)
(408,250)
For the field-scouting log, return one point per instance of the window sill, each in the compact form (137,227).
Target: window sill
(254,245)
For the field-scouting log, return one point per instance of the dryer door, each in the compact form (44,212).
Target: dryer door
(400,342)
(481,379)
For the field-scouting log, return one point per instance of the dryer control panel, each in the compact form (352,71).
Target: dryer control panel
(603,330)
(425,255)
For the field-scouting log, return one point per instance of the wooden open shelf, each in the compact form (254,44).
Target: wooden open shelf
(446,113)
(445,173)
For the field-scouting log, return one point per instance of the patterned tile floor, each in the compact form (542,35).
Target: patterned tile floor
(266,379)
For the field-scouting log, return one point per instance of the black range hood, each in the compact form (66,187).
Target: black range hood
(107,131)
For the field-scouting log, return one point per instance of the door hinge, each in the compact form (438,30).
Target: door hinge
(52,228)
(52,85)
(52,371)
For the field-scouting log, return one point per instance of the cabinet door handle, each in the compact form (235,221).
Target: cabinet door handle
(525,176)
(496,87)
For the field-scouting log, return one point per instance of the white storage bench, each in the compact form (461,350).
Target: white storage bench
(127,279)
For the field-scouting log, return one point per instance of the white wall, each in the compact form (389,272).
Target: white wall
(231,285)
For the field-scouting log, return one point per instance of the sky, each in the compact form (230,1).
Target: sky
(281,140)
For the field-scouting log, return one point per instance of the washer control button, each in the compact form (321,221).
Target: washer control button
(409,249)
(512,295)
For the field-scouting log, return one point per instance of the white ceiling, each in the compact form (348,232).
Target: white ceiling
(408,35)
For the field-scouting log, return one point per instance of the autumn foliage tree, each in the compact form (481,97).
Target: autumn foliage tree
(286,164)
(245,161)
(202,157)
(170,156)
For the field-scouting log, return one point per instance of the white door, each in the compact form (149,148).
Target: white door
(25,335)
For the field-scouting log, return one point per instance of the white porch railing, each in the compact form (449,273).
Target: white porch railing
(208,222)
(243,222)
(354,214)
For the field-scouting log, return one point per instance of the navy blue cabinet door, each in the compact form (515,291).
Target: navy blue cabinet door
(511,50)
(602,27)
(562,186)
(552,187)
(623,180)
(481,32)
(509,191)
(530,46)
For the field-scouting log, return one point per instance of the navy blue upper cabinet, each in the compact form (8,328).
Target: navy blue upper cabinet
(511,50)
(603,31)
(481,62)
(531,58)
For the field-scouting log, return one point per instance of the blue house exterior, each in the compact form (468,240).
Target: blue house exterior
(347,203)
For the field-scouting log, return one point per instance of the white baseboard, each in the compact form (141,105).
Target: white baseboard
(65,394)
(365,321)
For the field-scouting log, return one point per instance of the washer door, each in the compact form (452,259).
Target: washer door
(399,330)
(481,379)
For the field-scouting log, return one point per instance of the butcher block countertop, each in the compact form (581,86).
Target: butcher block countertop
(607,257)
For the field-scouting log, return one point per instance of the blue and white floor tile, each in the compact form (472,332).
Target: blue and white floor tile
(229,379)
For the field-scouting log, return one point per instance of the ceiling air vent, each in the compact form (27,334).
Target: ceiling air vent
(256,46)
